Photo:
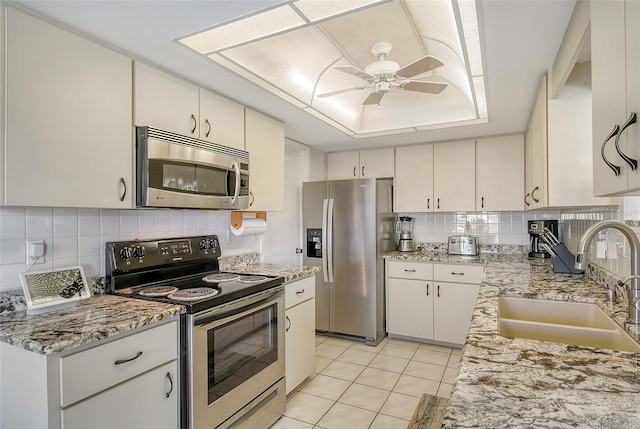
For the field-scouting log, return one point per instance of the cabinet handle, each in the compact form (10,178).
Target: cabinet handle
(195,124)
(206,121)
(124,191)
(121,361)
(170,384)
(482,203)
(288,327)
(427,289)
(438,291)
(632,162)
(428,203)
(456,274)
(354,171)
(533,197)
(409,271)
(299,292)
(252,198)
(363,171)
(615,168)
(438,203)
(525,200)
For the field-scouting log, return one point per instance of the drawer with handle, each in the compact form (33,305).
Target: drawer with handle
(410,270)
(458,273)
(299,291)
(92,370)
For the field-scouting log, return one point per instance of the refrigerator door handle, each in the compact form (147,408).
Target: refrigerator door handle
(325,271)
(330,237)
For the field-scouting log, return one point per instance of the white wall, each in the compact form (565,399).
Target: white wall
(78,236)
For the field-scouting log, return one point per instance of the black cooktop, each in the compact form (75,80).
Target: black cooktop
(226,291)
(182,263)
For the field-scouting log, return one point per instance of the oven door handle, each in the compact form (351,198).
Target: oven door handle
(236,307)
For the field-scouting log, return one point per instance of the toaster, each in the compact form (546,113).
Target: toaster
(463,245)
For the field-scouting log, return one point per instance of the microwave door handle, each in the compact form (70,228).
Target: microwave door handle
(234,199)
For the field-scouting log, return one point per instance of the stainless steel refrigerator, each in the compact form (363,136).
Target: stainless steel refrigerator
(348,225)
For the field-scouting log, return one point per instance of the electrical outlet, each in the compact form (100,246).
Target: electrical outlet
(35,249)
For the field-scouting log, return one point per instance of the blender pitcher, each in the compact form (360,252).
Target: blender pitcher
(404,227)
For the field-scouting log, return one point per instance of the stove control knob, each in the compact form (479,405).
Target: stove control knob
(138,252)
(213,244)
(204,244)
(125,253)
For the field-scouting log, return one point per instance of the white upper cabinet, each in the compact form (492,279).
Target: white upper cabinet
(454,175)
(360,164)
(413,182)
(265,144)
(615,65)
(166,102)
(536,152)
(559,164)
(500,173)
(68,119)
(173,104)
(221,120)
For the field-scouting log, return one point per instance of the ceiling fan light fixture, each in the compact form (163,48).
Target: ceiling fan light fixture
(382,87)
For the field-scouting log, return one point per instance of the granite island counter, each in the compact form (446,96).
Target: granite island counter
(510,383)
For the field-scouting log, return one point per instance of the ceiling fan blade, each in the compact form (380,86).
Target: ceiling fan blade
(356,72)
(428,87)
(373,98)
(420,66)
(341,91)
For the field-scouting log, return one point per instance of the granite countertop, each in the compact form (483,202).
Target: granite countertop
(520,383)
(95,318)
(289,272)
(103,316)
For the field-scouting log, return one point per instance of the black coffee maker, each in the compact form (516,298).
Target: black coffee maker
(537,227)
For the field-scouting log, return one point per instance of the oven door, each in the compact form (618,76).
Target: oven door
(237,362)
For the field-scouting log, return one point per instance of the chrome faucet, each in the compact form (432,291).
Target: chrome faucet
(633,290)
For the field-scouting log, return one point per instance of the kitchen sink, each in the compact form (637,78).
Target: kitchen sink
(577,323)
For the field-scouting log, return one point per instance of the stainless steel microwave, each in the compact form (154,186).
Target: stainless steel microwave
(177,171)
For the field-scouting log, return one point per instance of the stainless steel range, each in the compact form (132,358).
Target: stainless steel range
(232,335)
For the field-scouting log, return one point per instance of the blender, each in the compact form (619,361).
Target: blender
(404,226)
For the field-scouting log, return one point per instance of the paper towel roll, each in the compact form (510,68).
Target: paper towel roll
(250,226)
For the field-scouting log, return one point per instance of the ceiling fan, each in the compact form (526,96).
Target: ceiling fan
(383,74)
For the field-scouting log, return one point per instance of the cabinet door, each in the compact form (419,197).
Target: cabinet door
(164,101)
(500,173)
(413,182)
(149,401)
(68,119)
(454,176)
(377,163)
(608,74)
(536,188)
(453,309)
(343,165)
(265,144)
(221,120)
(410,308)
(300,360)
(632,134)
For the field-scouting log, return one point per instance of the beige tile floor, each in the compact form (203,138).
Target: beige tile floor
(358,386)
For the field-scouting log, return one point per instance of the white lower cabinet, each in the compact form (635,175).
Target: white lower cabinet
(117,407)
(431,302)
(300,327)
(129,381)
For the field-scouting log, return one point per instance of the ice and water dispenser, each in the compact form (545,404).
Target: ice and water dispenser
(314,242)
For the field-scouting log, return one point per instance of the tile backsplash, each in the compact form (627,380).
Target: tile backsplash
(77,236)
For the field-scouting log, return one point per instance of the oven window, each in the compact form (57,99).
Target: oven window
(189,178)
(240,349)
